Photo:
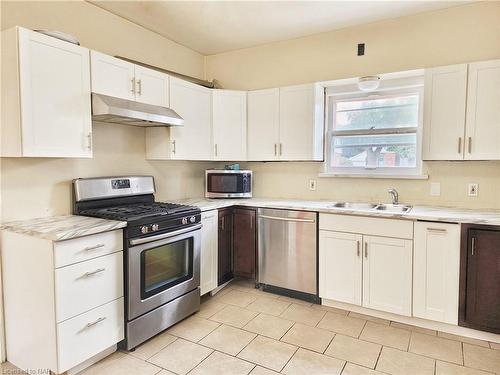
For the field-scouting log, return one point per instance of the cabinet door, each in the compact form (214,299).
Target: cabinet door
(208,262)
(340,266)
(112,76)
(482,306)
(435,271)
(482,128)
(194,104)
(229,124)
(55,97)
(263,124)
(387,274)
(151,86)
(244,242)
(225,246)
(296,123)
(444,112)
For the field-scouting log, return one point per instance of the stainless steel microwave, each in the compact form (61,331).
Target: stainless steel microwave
(222,183)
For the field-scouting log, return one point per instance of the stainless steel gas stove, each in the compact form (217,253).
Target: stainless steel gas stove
(161,246)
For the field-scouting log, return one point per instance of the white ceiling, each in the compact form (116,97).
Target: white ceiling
(211,27)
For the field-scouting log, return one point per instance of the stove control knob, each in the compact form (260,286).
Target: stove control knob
(144,229)
(155,227)
(192,219)
(184,220)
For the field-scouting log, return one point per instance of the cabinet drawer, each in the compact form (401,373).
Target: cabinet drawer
(85,335)
(367,225)
(86,285)
(88,247)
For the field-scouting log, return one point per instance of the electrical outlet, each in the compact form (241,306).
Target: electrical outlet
(473,190)
(312,184)
(435,189)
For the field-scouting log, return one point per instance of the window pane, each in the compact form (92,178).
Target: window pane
(373,151)
(379,113)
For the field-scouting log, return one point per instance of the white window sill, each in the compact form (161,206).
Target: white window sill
(390,176)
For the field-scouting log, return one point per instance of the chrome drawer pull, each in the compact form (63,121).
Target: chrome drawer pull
(440,230)
(98,246)
(92,273)
(95,322)
(357,246)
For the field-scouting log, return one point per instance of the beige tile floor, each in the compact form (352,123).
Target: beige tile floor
(242,330)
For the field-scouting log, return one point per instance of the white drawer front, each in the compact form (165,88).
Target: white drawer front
(88,247)
(367,225)
(86,285)
(86,335)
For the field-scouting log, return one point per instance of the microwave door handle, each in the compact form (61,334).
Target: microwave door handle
(140,241)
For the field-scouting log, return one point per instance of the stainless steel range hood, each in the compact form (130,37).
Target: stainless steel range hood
(127,112)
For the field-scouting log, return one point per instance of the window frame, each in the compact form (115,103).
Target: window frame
(346,92)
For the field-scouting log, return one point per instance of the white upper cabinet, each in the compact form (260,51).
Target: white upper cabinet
(229,124)
(151,86)
(436,271)
(482,129)
(301,124)
(112,76)
(121,79)
(45,96)
(444,112)
(462,112)
(263,128)
(193,140)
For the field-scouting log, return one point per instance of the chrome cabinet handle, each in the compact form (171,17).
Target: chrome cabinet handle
(92,273)
(470,145)
(88,325)
(473,245)
(215,149)
(89,141)
(281,149)
(366,249)
(459,145)
(439,230)
(357,248)
(132,90)
(223,222)
(275,149)
(139,87)
(173,149)
(95,247)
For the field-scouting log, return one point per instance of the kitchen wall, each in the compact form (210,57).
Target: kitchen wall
(32,187)
(455,35)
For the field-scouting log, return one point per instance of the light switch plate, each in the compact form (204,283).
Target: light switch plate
(473,190)
(312,184)
(435,189)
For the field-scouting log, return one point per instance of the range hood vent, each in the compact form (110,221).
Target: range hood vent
(127,112)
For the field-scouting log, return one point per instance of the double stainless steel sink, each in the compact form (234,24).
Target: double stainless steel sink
(389,208)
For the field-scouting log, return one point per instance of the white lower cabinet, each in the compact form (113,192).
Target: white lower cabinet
(436,271)
(71,306)
(208,257)
(387,271)
(365,269)
(340,266)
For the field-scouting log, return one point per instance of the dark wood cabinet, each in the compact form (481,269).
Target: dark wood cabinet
(225,246)
(480,278)
(244,242)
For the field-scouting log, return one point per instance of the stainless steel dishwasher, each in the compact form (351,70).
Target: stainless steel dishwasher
(287,253)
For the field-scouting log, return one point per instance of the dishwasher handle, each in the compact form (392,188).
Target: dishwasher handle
(290,219)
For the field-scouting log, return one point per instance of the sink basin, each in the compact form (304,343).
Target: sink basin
(354,206)
(396,208)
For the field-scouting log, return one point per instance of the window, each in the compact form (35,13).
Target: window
(374,133)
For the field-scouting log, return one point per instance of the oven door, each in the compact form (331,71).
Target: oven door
(161,268)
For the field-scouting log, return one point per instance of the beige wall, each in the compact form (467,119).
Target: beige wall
(34,187)
(455,35)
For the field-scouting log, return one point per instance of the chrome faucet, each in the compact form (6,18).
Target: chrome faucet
(395,196)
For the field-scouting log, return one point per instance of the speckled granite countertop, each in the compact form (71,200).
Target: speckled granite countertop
(58,228)
(445,214)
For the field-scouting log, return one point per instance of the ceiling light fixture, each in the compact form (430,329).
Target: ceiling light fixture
(368,83)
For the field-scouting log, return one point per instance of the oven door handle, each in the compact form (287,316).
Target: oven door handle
(140,241)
